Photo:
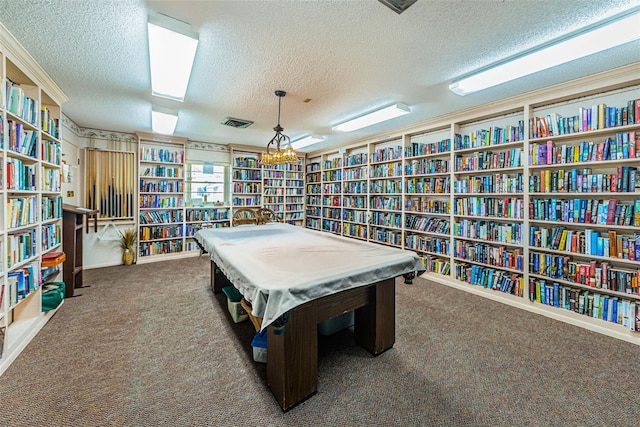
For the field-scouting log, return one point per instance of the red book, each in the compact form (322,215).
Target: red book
(637,112)
(632,144)
(611,211)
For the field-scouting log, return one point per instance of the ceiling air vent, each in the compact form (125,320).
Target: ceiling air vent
(236,123)
(398,6)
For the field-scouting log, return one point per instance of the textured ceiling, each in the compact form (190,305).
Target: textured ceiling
(347,56)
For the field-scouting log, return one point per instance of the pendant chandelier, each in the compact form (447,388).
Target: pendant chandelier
(279,156)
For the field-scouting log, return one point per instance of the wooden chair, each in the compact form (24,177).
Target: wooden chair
(267,215)
(244,216)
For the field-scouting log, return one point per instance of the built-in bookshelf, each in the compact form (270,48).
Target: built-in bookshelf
(385,193)
(161,225)
(30,193)
(427,198)
(313,208)
(355,193)
(197,218)
(294,193)
(246,180)
(533,201)
(331,176)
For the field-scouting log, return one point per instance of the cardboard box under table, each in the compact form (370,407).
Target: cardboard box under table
(309,277)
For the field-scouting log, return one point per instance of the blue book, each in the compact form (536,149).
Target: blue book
(614,311)
(556,295)
(605,308)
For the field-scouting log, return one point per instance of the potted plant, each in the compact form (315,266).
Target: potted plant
(127,243)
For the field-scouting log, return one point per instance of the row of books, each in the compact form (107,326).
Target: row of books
(51,180)
(313,178)
(335,163)
(330,200)
(355,159)
(20,175)
(493,136)
(51,236)
(423,149)
(624,180)
(354,202)
(355,230)
(22,282)
(267,198)
(495,256)
(274,191)
(332,213)
(332,175)
(164,155)
(246,175)
(335,188)
(421,243)
(386,154)
(51,207)
(386,186)
(426,166)
(426,224)
(246,201)
(192,229)
(19,104)
(487,160)
(160,217)
(497,207)
(587,242)
(160,247)
(427,205)
(332,226)
(356,173)
(357,187)
(163,186)
(21,211)
(294,191)
(434,264)
(313,167)
(161,232)
(51,151)
(312,223)
(162,172)
(386,219)
(490,278)
(599,116)
(385,235)
(313,200)
(625,145)
(393,203)
(510,233)
(22,140)
(593,304)
(154,201)
(386,170)
(274,206)
(21,246)
(207,214)
(313,211)
(428,185)
(289,168)
(595,274)
(49,123)
(497,183)
(587,211)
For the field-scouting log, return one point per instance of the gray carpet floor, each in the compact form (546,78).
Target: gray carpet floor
(151,345)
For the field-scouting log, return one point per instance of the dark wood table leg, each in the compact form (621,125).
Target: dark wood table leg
(292,357)
(218,279)
(375,323)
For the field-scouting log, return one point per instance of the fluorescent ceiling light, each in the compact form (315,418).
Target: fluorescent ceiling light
(374,117)
(172,49)
(306,141)
(588,41)
(163,121)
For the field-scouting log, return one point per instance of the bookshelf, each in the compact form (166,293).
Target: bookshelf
(294,197)
(355,194)
(161,230)
(204,217)
(497,206)
(331,178)
(30,192)
(313,208)
(246,179)
(385,193)
(427,197)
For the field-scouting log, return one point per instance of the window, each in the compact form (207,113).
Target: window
(206,183)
